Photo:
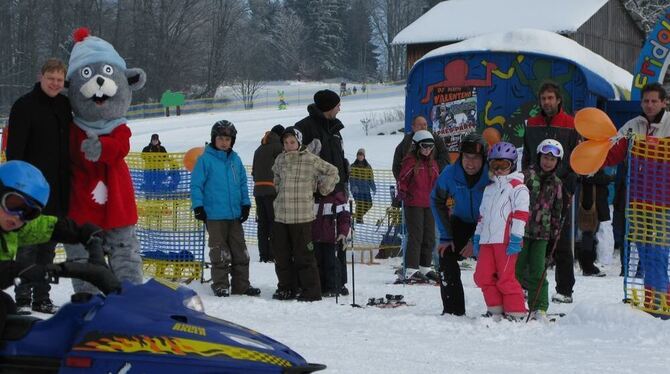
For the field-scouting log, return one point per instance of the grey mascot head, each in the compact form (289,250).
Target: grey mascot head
(100,84)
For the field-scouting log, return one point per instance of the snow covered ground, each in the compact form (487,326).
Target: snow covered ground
(599,335)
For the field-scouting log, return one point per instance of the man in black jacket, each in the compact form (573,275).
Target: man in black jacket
(322,126)
(39,134)
(441,152)
(264,188)
(321,133)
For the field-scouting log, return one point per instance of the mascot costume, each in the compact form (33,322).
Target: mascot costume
(102,192)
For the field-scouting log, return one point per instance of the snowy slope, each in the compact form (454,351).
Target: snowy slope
(599,335)
(178,134)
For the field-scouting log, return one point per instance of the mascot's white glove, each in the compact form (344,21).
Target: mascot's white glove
(91,147)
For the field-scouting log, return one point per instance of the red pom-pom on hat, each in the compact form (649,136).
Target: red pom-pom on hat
(81,34)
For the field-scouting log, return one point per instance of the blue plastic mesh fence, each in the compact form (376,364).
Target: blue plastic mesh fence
(172,240)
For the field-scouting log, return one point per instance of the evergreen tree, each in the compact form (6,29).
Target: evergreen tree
(326,49)
(361,58)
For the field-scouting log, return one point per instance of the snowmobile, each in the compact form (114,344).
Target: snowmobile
(155,327)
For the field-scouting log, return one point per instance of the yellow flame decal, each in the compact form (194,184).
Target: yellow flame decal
(166,345)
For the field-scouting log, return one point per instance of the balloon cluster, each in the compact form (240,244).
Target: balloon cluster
(594,125)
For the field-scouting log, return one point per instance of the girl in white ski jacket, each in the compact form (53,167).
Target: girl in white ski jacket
(498,237)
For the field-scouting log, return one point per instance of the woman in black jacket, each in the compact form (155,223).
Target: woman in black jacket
(589,220)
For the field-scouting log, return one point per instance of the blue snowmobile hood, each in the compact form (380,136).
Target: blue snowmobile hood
(148,328)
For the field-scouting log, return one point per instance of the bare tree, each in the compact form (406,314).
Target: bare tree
(389,17)
(288,38)
(251,65)
(225,18)
(646,12)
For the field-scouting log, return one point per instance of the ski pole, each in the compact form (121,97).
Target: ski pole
(339,247)
(546,266)
(353,261)
(403,242)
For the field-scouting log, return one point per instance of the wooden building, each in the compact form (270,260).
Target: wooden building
(603,26)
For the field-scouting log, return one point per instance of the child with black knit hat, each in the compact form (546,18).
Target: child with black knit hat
(264,188)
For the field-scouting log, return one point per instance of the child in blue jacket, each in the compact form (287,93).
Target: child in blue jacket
(220,197)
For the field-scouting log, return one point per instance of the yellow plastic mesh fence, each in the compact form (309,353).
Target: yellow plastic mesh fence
(172,240)
(648,226)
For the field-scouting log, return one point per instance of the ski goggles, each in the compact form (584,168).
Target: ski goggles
(548,148)
(500,164)
(427,145)
(20,206)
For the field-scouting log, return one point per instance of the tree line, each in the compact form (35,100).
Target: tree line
(195,46)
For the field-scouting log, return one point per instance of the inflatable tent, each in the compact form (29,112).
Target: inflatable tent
(492,81)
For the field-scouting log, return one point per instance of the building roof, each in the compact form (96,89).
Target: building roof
(544,43)
(456,20)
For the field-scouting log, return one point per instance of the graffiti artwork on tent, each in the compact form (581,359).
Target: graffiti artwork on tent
(468,91)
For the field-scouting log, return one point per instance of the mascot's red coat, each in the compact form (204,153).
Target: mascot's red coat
(102,192)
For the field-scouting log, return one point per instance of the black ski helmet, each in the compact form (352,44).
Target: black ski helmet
(474,143)
(224,128)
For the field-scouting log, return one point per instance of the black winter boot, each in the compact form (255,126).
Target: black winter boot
(44,306)
(220,291)
(284,295)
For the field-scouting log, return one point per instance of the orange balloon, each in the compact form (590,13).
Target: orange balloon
(191,156)
(594,124)
(491,135)
(453,156)
(589,156)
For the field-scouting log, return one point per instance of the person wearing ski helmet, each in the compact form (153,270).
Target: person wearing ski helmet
(418,174)
(498,237)
(24,192)
(544,225)
(220,197)
(298,176)
(554,123)
(455,201)
(405,146)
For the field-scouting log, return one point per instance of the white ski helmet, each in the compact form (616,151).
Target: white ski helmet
(550,146)
(423,136)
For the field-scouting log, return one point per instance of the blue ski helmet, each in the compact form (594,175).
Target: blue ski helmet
(26,179)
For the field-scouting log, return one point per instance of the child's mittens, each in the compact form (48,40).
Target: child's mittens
(475,245)
(514,245)
(245,213)
(91,147)
(199,213)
